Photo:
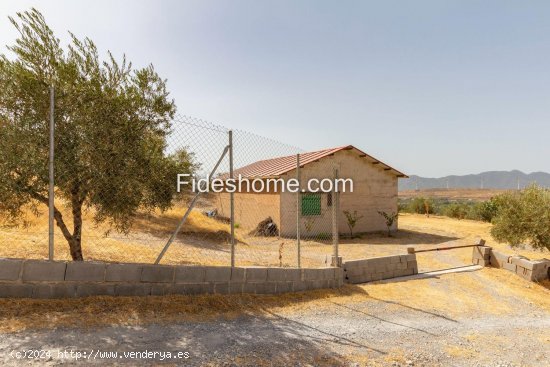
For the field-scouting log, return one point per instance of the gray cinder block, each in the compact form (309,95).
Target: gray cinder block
(157,274)
(329,273)
(266,288)
(407,258)
(509,266)
(300,286)
(284,287)
(217,274)
(42,290)
(237,275)
(524,273)
(381,268)
(221,288)
(198,288)
(132,290)
(338,273)
(516,259)
(123,273)
(256,274)
(236,287)
(376,276)
(95,289)
(10,269)
(43,271)
(395,259)
(249,288)
(498,259)
(63,290)
(189,274)
(276,274)
(312,274)
(85,271)
(295,275)
(16,290)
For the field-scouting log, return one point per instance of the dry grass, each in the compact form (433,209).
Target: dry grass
(457,351)
(201,239)
(205,241)
(21,314)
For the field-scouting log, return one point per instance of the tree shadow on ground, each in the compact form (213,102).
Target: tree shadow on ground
(256,336)
(402,237)
(246,341)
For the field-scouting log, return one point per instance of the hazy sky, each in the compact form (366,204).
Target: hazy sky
(430,87)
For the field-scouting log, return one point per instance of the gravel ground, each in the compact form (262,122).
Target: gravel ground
(373,333)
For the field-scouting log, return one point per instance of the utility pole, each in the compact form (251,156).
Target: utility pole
(51,179)
(298,209)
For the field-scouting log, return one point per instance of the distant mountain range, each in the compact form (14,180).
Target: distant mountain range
(486,180)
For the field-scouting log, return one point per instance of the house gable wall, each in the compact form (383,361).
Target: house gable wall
(375,189)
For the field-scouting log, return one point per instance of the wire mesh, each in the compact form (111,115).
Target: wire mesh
(116,195)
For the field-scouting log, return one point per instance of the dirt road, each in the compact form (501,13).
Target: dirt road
(349,331)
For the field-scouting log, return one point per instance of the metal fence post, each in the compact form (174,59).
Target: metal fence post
(335,209)
(191,205)
(298,206)
(51,179)
(232,200)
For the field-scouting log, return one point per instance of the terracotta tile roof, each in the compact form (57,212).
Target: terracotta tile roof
(281,165)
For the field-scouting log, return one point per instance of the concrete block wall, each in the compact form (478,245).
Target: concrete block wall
(46,279)
(378,268)
(481,255)
(532,270)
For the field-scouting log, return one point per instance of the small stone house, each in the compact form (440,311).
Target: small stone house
(374,189)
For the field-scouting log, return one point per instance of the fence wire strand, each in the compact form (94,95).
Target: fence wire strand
(266,223)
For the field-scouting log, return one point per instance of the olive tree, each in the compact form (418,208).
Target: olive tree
(112,122)
(523,217)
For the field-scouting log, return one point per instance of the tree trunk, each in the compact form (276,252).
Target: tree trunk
(68,236)
(74,240)
(75,243)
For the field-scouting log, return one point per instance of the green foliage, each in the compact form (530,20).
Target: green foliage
(523,217)
(421,205)
(390,219)
(112,122)
(484,211)
(352,219)
(457,210)
(460,209)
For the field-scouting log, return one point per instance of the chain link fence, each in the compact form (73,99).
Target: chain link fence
(123,207)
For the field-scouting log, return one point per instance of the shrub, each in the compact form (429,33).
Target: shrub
(421,205)
(389,219)
(457,210)
(352,219)
(484,211)
(523,217)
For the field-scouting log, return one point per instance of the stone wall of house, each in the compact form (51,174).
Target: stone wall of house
(250,208)
(375,189)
